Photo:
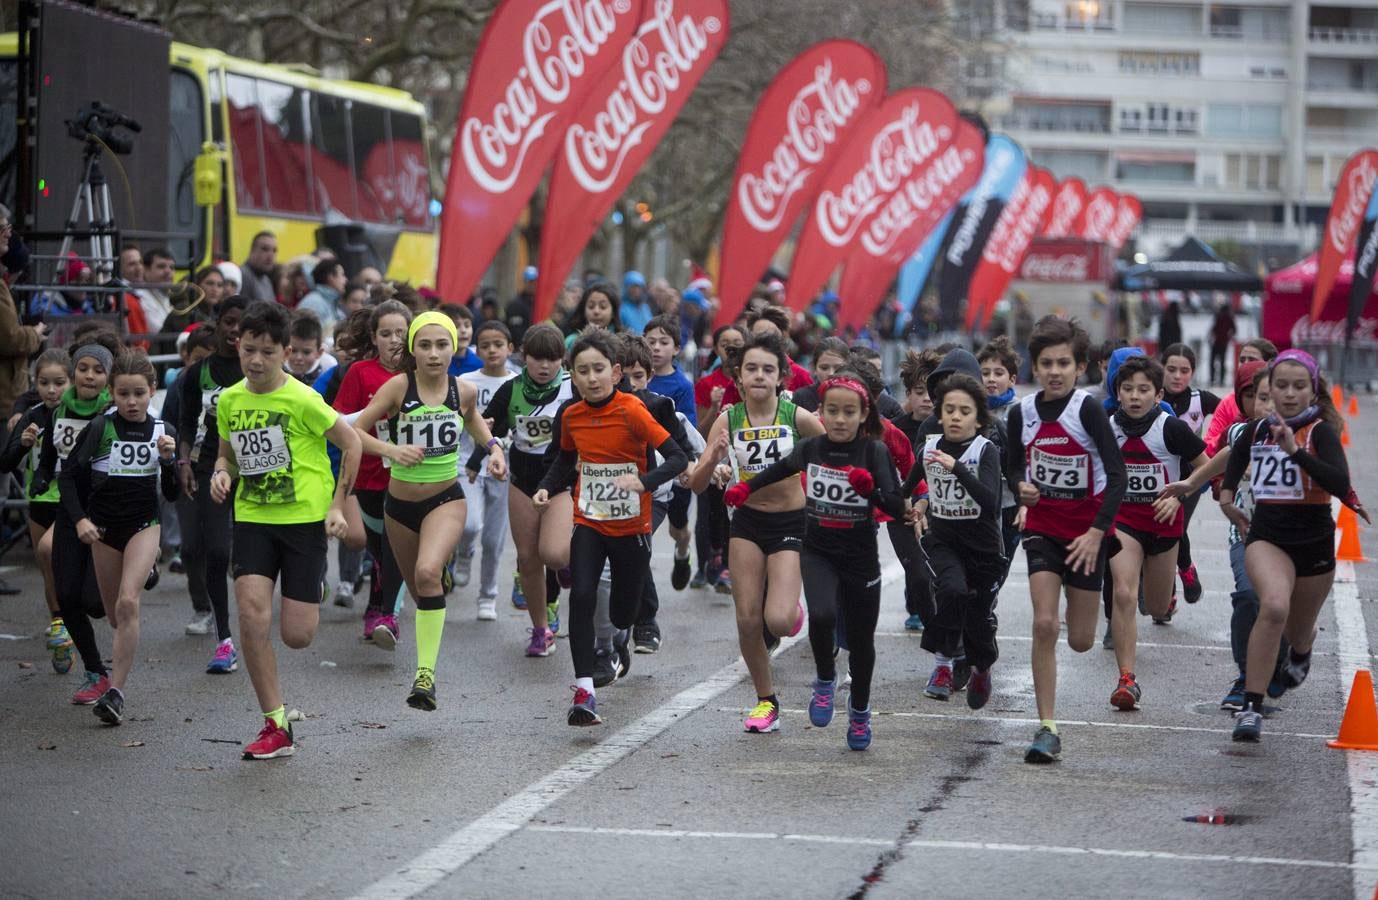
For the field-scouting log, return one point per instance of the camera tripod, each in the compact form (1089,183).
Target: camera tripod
(93,199)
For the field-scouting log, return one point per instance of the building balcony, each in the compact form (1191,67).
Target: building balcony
(1346,94)
(1315,136)
(1237,232)
(1336,40)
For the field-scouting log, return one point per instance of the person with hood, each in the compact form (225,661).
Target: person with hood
(635,309)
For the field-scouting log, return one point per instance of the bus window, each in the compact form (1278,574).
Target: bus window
(411,195)
(332,166)
(250,183)
(372,162)
(185,135)
(9,134)
(281,109)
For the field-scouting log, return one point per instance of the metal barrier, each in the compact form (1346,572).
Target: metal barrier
(1357,369)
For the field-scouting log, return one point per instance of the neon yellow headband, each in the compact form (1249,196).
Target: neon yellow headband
(431,317)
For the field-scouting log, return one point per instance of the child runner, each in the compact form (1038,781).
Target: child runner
(1228,412)
(271,428)
(1191,406)
(74,574)
(1072,479)
(1156,448)
(918,406)
(52,376)
(598,305)
(766,530)
(378,342)
(608,434)
(847,475)
(206,527)
(423,411)
(1298,464)
(126,454)
(999,366)
(524,409)
(962,538)
(485,495)
(663,337)
(829,355)
(710,399)
(307,359)
(466,359)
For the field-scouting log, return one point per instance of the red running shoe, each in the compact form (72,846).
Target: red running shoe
(1126,695)
(91,690)
(272,742)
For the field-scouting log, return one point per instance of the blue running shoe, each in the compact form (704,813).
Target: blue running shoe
(584,710)
(821,706)
(225,660)
(1046,747)
(1234,697)
(914,623)
(1248,726)
(518,597)
(858,728)
(552,616)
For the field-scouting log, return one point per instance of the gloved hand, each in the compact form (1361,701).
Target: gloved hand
(861,481)
(736,495)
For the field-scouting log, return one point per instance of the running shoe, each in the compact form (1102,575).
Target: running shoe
(858,728)
(961,674)
(200,623)
(422,694)
(326,592)
(699,579)
(621,643)
(978,691)
(1191,584)
(1166,617)
(175,565)
(1126,695)
(1293,671)
(447,580)
(604,667)
(386,633)
(1108,642)
(764,718)
(724,583)
(463,563)
(552,615)
(679,575)
(151,581)
(1248,726)
(1046,747)
(91,689)
(225,660)
(110,707)
(542,642)
(800,618)
(821,706)
(584,710)
(371,618)
(344,594)
(60,646)
(565,577)
(646,637)
(940,683)
(487,609)
(914,623)
(272,742)
(518,597)
(1234,697)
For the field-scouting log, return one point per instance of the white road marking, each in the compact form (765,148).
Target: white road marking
(1354,651)
(957,845)
(515,813)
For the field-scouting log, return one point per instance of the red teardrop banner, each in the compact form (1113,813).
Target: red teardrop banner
(1068,203)
(1127,216)
(1352,193)
(1098,216)
(1022,218)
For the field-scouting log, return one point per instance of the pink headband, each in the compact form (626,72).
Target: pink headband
(1303,359)
(850,384)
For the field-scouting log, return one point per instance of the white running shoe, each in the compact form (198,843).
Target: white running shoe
(487,609)
(200,623)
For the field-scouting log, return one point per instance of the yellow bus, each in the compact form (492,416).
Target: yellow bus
(295,151)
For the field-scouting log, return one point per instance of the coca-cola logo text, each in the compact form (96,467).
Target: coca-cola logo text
(1027,222)
(1004,223)
(996,167)
(1066,207)
(918,195)
(555,49)
(814,118)
(1342,228)
(1064,267)
(1126,217)
(1305,331)
(1099,216)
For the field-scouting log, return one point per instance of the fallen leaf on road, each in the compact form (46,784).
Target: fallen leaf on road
(25,665)
(47,746)
(132,744)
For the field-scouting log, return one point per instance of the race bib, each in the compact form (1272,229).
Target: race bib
(1274,476)
(133,459)
(758,448)
(436,433)
(383,433)
(1060,477)
(209,399)
(65,434)
(261,450)
(600,499)
(830,496)
(947,499)
(1145,481)
(534,432)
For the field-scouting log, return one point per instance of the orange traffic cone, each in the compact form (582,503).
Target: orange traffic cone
(1348,526)
(1353,406)
(1337,396)
(1359,727)
(1344,435)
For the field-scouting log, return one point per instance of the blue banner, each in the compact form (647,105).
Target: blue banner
(914,273)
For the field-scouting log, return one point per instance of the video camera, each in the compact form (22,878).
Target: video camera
(97,121)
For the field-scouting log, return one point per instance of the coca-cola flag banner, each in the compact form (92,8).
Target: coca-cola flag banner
(620,124)
(902,225)
(1068,203)
(1352,194)
(1099,216)
(914,272)
(536,62)
(976,216)
(1365,263)
(891,147)
(1022,218)
(1128,213)
(798,128)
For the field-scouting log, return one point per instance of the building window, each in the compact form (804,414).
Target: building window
(1139,62)
(1151,167)
(1158,118)
(1080,117)
(1252,171)
(1087,165)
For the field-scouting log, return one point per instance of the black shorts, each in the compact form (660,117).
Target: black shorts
(295,552)
(1049,554)
(1311,558)
(1153,544)
(525,471)
(117,537)
(411,513)
(773,532)
(679,507)
(42,513)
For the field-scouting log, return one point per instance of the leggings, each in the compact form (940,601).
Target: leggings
(1244,603)
(711,526)
(918,574)
(486,520)
(1184,545)
(78,592)
(386,584)
(207,529)
(966,588)
(831,584)
(629,557)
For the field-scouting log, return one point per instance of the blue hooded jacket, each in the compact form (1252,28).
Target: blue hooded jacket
(1117,358)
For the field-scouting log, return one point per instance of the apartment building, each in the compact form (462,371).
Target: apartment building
(1230,120)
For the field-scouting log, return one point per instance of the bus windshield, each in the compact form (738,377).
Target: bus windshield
(186,132)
